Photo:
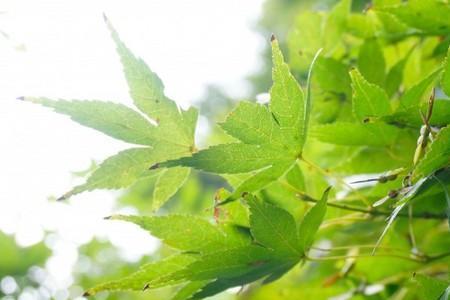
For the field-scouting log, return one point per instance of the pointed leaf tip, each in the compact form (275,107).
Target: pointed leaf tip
(21,98)
(272,37)
(62,198)
(105,18)
(86,294)
(114,217)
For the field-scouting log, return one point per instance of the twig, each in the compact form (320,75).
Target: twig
(340,257)
(339,179)
(337,248)
(375,212)
(414,257)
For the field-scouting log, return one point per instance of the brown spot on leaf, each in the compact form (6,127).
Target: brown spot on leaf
(154,167)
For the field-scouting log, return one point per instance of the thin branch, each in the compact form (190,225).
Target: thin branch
(341,257)
(411,228)
(339,179)
(438,256)
(375,212)
(337,248)
(414,257)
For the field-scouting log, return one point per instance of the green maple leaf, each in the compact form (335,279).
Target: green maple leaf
(165,130)
(217,257)
(271,138)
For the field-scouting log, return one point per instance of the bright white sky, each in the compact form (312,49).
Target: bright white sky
(69,54)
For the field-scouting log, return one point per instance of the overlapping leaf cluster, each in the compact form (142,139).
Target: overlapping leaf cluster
(213,258)
(271,138)
(381,72)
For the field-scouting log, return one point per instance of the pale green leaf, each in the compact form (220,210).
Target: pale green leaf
(171,137)
(113,119)
(371,62)
(295,178)
(429,287)
(186,232)
(361,25)
(272,138)
(253,123)
(305,38)
(147,91)
(419,91)
(332,76)
(138,280)
(287,101)
(274,228)
(369,100)
(430,16)
(311,222)
(336,24)
(232,158)
(394,77)
(356,134)
(122,169)
(259,180)
(167,184)
(314,30)
(437,157)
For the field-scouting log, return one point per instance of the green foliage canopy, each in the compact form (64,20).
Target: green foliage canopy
(373,106)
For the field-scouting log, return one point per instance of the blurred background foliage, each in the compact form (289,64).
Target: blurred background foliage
(298,26)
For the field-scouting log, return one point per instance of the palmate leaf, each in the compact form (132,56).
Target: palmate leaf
(272,138)
(170,138)
(217,257)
